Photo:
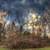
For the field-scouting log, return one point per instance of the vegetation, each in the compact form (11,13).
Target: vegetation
(12,37)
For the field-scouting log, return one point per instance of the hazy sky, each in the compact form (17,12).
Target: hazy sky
(18,7)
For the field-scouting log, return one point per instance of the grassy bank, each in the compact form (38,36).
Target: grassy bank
(26,49)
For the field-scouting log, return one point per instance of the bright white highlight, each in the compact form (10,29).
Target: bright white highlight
(33,16)
(7,23)
(30,20)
